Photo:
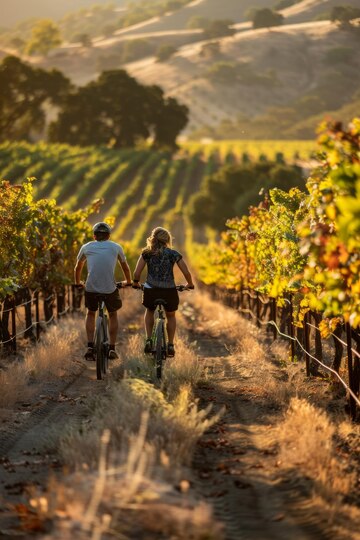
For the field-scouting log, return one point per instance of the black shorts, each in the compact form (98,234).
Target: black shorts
(112,301)
(170,296)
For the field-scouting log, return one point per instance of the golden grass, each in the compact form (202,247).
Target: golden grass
(310,443)
(14,385)
(113,504)
(54,356)
(306,442)
(139,437)
(51,358)
(174,424)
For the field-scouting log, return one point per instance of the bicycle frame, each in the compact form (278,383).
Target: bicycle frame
(101,341)
(159,338)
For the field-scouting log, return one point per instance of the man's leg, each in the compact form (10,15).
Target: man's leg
(113,328)
(149,322)
(171,325)
(90,325)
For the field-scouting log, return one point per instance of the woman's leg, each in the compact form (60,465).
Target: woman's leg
(171,325)
(149,322)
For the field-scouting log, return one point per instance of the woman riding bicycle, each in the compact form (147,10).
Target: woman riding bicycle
(160,259)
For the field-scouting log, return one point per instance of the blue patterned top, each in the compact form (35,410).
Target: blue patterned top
(160,268)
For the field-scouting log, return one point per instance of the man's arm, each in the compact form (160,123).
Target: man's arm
(126,269)
(186,273)
(78,269)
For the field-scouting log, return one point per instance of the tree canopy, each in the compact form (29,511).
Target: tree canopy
(344,14)
(24,92)
(265,18)
(115,109)
(44,37)
(234,188)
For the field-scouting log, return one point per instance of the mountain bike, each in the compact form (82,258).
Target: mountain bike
(101,338)
(159,334)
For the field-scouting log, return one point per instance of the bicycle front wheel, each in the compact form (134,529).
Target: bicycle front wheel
(160,348)
(99,348)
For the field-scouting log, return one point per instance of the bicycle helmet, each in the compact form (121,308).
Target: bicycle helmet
(101,227)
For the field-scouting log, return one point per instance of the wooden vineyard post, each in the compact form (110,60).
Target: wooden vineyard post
(29,332)
(351,372)
(37,315)
(273,317)
(73,297)
(356,367)
(68,290)
(318,344)
(13,325)
(58,305)
(291,328)
(60,302)
(307,343)
(257,309)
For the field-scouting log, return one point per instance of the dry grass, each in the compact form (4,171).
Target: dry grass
(54,356)
(122,503)
(14,385)
(306,442)
(221,320)
(174,424)
(144,436)
(281,381)
(49,359)
(310,444)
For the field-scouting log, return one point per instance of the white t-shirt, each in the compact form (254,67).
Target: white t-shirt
(101,258)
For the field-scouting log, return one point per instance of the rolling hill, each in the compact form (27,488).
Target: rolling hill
(280,67)
(14,11)
(296,71)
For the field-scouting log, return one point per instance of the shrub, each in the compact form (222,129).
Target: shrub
(265,18)
(165,52)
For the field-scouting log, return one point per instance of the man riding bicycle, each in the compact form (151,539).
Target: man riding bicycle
(101,256)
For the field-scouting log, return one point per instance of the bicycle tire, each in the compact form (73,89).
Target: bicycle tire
(99,348)
(160,350)
(105,345)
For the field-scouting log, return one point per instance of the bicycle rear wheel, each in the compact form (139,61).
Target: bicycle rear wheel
(99,348)
(160,348)
(105,345)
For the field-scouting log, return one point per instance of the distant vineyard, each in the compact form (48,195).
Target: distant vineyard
(240,150)
(140,188)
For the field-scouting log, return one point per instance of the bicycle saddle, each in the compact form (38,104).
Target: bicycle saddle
(160,302)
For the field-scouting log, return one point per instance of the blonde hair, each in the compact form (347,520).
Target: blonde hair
(159,239)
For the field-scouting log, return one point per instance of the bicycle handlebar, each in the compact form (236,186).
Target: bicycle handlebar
(180,288)
(121,285)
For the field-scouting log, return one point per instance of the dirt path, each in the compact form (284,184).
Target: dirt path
(28,440)
(29,433)
(236,467)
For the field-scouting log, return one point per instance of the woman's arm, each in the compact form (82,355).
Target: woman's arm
(186,273)
(140,265)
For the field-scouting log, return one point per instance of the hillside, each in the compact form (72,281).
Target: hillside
(255,84)
(233,10)
(311,10)
(280,68)
(14,11)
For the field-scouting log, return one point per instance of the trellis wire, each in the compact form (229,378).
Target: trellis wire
(271,302)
